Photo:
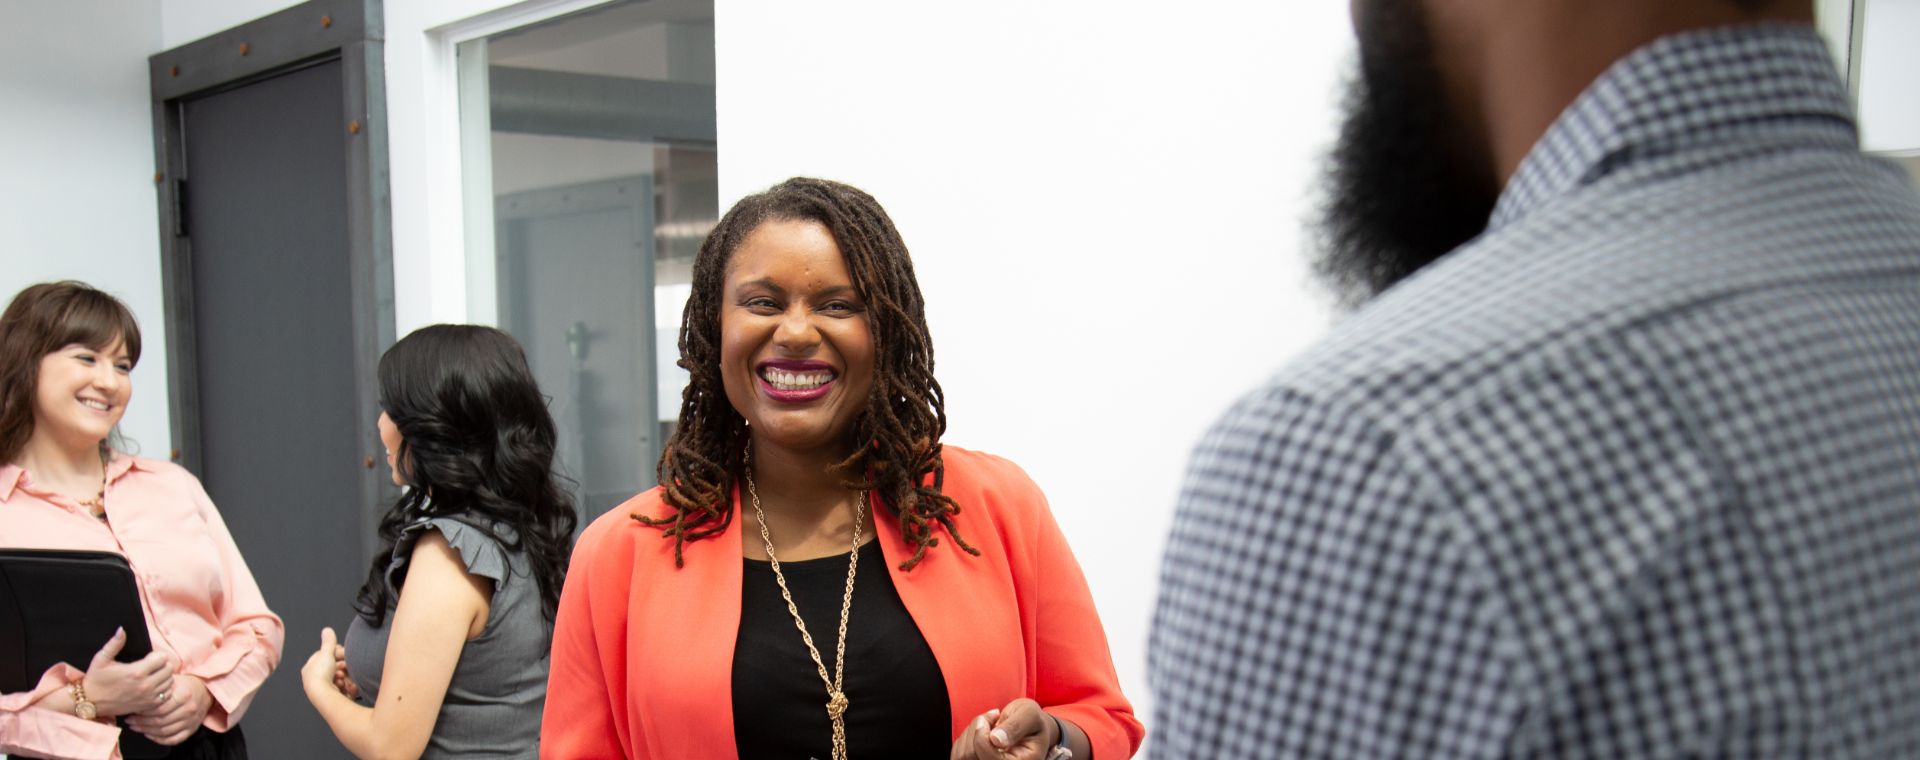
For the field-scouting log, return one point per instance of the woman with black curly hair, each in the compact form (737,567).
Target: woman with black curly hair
(785,593)
(447,656)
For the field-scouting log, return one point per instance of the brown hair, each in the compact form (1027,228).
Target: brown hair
(41,320)
(897,436)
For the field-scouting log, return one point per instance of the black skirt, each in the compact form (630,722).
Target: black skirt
(206,744)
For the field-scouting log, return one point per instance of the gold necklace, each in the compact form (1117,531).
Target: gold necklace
(97,506)
(836,697)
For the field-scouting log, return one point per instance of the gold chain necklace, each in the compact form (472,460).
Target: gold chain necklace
(97,506)
(836,697)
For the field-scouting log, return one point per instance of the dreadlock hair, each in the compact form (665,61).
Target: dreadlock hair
(897,436)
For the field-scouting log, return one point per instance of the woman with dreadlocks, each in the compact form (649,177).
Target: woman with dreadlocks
(818,576)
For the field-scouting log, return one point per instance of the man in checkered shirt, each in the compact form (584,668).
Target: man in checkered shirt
(1626,461)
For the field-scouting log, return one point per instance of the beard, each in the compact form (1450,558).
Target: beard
(1403,188)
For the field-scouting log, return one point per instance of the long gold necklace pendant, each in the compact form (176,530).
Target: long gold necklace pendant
(837,705)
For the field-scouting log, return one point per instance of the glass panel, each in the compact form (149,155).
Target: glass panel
(590,175)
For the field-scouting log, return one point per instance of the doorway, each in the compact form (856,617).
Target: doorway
(274,247)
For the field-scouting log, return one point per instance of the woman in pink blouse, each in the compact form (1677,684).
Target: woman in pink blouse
(66,354)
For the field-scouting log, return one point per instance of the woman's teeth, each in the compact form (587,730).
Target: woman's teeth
(796,381)
(92,404)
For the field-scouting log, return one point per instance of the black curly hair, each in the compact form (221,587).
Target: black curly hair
(476,435)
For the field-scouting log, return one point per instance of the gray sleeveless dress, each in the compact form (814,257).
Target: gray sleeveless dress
(493,704)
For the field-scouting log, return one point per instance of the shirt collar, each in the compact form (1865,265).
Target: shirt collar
(120,464)
(1683,92)
(10,479)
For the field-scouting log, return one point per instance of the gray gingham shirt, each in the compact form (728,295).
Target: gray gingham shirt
(1634,474)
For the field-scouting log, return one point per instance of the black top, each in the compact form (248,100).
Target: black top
(896,696)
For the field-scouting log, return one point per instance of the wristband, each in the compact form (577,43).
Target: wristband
(1059,751)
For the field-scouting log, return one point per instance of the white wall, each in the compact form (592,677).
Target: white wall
(77,193)
(183,21)
(1889,62)
(1835,20)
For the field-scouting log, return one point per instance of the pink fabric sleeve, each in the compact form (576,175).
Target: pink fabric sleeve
(27,730)
(251,635)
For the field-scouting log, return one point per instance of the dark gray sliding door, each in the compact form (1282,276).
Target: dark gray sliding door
(279,299)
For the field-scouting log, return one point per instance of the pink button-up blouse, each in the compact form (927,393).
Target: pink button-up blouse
(202,605)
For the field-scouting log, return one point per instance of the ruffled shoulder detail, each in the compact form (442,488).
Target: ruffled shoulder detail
(481,552)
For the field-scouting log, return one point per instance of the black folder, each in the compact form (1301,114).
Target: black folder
(62,606)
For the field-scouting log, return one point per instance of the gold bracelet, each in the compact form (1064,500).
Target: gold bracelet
(83,708)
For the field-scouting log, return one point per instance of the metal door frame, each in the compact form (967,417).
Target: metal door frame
(314,32)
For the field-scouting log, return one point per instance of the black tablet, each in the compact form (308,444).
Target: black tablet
(62,606)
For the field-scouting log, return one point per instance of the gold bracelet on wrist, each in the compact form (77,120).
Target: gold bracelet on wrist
(83,708)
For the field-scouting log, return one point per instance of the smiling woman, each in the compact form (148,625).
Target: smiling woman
(67,353)
(826,621)
(796,345)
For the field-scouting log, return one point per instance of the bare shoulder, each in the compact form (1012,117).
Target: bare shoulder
(436,570)
(440,587)
(432,551)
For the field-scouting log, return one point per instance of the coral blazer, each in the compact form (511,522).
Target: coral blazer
(643,652)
